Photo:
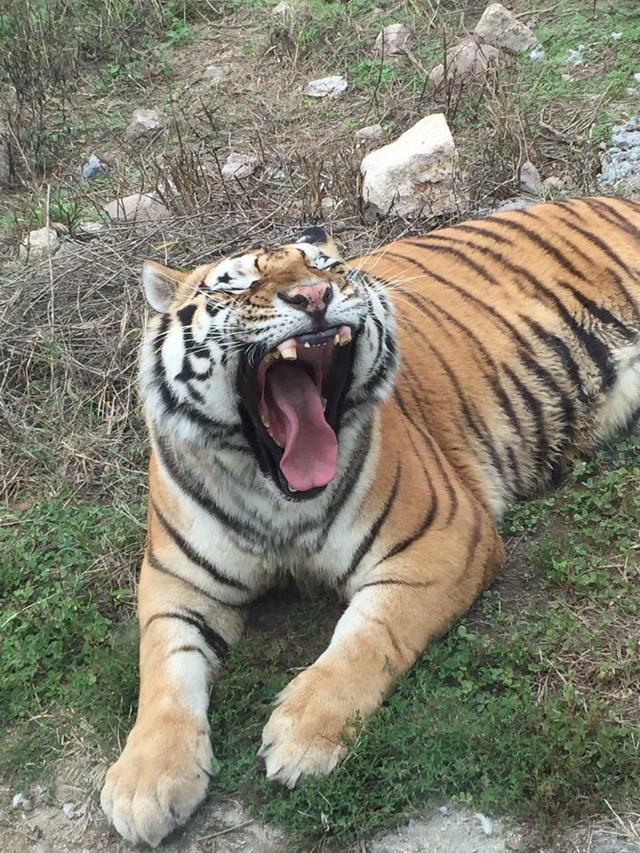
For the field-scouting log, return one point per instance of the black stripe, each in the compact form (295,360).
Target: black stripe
(197,491)
(600,312)
(596,241)
(534,237)
(426,522)
(397,582)
(155,563)
(444,249)
(533,404)
(474,419)
(568,409)
(435,450)
(564,353)
(596,350)
(189,649)
(214,641)
(493,379)
(349,480)
(190,552)
(370,537)
(483,232)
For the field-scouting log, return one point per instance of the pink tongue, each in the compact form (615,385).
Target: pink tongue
(298,424)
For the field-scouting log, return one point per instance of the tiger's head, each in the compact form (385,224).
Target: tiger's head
(272,352)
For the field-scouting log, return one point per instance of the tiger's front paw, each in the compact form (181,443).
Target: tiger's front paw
(159,780)
(305,733)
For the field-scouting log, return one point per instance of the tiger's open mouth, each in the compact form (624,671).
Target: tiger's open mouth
(293,399)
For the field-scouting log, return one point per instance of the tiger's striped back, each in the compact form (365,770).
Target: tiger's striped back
(519,337)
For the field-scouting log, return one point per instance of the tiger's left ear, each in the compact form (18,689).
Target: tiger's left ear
(317,236)
(160,284)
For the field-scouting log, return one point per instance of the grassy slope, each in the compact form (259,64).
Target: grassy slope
(529,705)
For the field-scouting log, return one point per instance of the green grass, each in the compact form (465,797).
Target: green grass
(526,707)
(64,654)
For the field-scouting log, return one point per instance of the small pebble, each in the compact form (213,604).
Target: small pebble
(486,823)
(69,810)
(616,36)
(19,801)
(537,54)
(444,811)
(636,77)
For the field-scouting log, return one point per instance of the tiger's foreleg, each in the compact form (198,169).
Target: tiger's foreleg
(164,770)
(395,610)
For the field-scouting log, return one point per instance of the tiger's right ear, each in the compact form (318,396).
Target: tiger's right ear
(160,284)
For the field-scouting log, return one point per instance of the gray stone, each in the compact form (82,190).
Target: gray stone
(89,230)
(21,801)
(537,54)
(530,180)
(5,158)
(519,203)
(328,205)
(413,175)
(94,168)
(138,207)
(500,28)
(145,123)
(553,183)
(457,832)
(621,161)
(239,166)
(69,810)
(576,57)
(37,244)
(371,132)
(326,87)
(468,59)
(393,41)
(216,73)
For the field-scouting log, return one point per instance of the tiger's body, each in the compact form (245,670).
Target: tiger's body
(520,344)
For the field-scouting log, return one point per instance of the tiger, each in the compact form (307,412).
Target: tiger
(365,424)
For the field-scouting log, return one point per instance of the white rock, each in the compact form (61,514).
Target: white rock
(326,87)
(328,205)
(537,54)
(486,824)
(519,203)
(636,77)
(414,174)
(38,243)
(575,57)
(282,8)
(216,73)
(530,181)
(90,229)
(239,166)
(69,810)
(372,131)
(500,28)
(553,183)
(94,168)
(393,40)
(21,801)
(138,207)
(145,123)
(616,36)
(444,811)
(467,59)
(5,158)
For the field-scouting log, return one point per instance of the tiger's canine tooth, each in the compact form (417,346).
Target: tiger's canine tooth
(336,340)
(288,350)
(344,334)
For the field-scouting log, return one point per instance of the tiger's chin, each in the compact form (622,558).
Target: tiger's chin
(291,406)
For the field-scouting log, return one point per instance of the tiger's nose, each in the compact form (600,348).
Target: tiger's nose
(311,298)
